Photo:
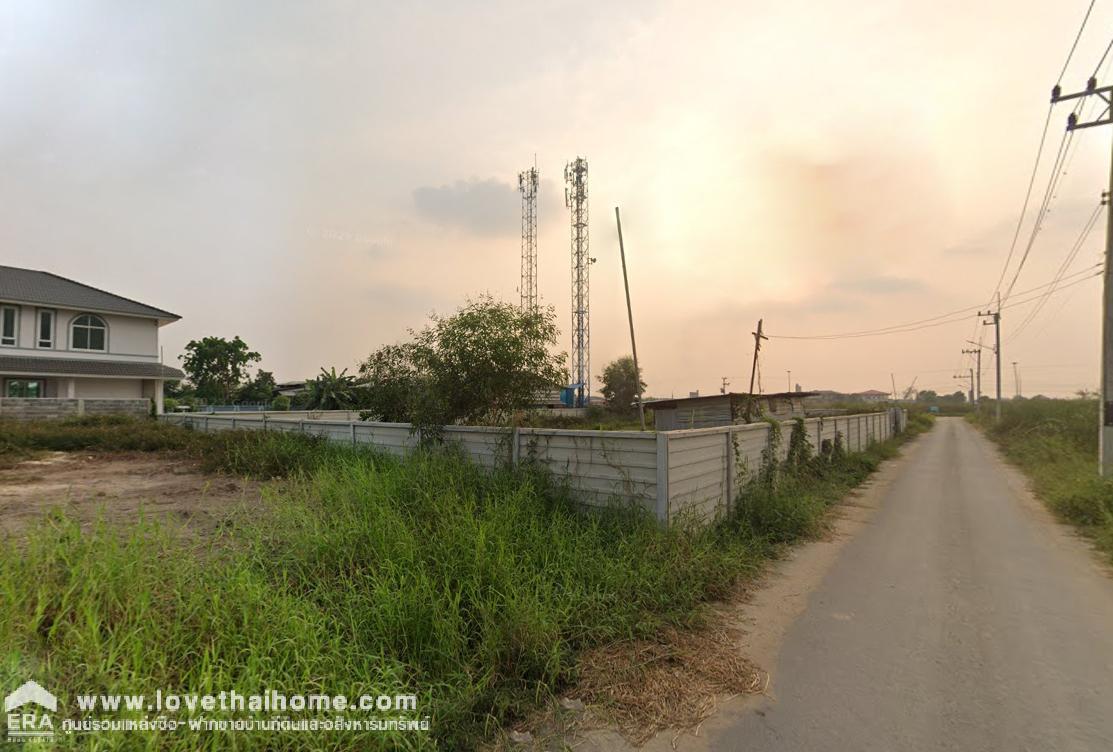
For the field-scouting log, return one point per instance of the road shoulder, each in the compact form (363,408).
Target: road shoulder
(1061,534)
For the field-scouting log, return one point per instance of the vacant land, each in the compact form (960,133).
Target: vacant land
(480,592)
(120,488)
(1055,443)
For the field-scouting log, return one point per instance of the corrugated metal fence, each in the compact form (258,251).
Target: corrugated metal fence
(672,474)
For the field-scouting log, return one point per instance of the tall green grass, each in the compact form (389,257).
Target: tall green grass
(97,433)
(1055,442)
(365,573)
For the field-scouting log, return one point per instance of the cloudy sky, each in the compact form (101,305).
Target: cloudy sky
(319,177)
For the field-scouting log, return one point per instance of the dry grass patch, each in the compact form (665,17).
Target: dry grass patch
(642,687)
(674,681)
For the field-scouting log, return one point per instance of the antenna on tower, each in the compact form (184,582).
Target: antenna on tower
(575,198)
(527,185)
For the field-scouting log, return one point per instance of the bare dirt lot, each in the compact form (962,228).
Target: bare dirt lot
(121,487)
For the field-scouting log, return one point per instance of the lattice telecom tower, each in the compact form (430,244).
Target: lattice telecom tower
(575,198)
(527,184)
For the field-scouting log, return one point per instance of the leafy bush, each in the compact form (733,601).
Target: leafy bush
(480,365)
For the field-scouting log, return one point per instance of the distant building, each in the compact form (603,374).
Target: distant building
(725,409)
(551,399)
(289,388)
(66,345)
(826,396)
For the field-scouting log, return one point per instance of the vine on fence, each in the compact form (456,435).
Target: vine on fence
(799,448)
(770,465)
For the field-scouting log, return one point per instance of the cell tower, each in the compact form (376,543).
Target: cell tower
(527,184)
(575,198)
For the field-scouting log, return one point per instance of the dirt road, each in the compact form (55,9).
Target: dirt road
(961,618)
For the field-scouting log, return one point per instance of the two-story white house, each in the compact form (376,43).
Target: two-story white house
(69,342)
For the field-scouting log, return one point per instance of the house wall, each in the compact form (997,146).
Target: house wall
(129,337)
(47,408)
(109,388)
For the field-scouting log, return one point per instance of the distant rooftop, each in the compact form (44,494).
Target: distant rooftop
(673,401)
(43,288)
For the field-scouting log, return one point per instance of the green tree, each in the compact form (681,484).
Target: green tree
(216,366)
(258,389)
(331,391)
(620,382)
(390,382)
(481,364)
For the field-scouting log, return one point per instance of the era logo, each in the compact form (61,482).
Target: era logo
(30,723)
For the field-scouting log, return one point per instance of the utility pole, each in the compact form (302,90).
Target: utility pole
(790,380)
(723,388)
(996,324)
(893,378)
(1105,435)
(1016,379)
(758,337)
(630,315)
(971,377)
(977,352)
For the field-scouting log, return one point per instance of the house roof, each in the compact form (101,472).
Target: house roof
(673,402)
(44,288)
(26,366)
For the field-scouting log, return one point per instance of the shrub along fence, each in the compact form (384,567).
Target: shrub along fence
(675,475)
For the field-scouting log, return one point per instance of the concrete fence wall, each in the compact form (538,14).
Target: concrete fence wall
(689,474)
(708,466)
(53,408)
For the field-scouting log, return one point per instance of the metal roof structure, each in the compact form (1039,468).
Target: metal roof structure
(24,366)
(674,401)
(44,288)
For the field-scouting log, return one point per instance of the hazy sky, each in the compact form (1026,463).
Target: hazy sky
(318,177)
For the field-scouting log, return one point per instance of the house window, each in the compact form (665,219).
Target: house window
(9,320)
(89,332)
(46,329)
(25,388)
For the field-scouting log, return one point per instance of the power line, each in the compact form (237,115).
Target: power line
(1074,46)
(1039,155)
(1045,205)
(1027,198)
(1070,257)
(925,323)
(1103,56)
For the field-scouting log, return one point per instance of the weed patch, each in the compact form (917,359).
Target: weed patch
(1055,443)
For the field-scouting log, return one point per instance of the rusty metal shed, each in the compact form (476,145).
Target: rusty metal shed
(725,409)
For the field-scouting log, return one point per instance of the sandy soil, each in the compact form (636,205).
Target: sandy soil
(119,486)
